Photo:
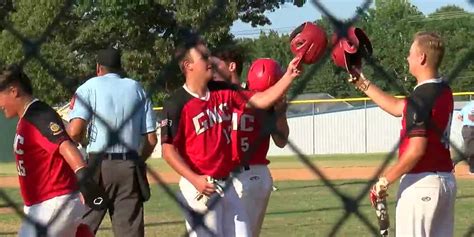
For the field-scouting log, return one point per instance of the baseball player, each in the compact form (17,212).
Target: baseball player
(196,139)
(253,129)
(250,138)
(425,200)
(228,64)
(466,115)
(49,164)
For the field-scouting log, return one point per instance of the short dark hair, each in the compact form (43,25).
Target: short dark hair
(232,53)
(189,41)
(13,74)
(110,59)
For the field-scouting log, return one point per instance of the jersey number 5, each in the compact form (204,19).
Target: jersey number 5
(21,168)
(244,144)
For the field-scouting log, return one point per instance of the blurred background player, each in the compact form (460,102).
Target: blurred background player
(251,140)
(228,64)
(196,135)
(466,115)
(253,128)
(49,164)
(425,200)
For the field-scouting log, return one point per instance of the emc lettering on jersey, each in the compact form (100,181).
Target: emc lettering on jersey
(210,117)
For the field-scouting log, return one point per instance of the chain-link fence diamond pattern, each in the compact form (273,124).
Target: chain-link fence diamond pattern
(32,51)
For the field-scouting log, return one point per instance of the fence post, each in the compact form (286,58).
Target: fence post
(365,125)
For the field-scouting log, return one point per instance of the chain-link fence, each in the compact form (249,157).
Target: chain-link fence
(32,50)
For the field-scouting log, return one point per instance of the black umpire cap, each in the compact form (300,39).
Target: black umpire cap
(109,57)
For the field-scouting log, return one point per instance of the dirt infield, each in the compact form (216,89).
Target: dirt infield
(285,174)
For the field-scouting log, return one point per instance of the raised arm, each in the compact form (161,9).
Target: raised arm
(387,102)
(267,98)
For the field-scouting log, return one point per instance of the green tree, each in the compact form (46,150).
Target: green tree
(455,25)
(146,31)
(390,25)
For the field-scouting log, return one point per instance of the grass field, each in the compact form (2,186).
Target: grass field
(298,208)
(278,162)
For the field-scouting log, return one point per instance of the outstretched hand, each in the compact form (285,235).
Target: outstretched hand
(294,69)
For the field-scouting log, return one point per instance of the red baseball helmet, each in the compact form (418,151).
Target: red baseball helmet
(348,51)
(263,73)
(308,41)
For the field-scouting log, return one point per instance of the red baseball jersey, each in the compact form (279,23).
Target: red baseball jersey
(252,138)
(200,128)
(427,113)
(42,171)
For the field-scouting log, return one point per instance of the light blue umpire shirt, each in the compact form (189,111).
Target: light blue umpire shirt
(465,111)
(113,99)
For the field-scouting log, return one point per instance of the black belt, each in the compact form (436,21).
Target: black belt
(131,155)
(469,126)
(240,169)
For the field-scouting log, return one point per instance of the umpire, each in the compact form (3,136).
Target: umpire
(117,116)
(467,116)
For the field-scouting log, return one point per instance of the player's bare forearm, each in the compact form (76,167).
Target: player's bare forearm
(387,102)
(72,155)
(172,157)
(76,129)
(280,137)
(415,150)
(149,143)
(267,98)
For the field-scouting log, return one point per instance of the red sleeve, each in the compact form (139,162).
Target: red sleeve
(170,123)
(241,97)
(51,145)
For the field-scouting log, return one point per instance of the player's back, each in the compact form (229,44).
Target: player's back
(43,173)
(120,104)
(251,136)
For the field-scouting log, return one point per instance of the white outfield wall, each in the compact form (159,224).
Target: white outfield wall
(362,130)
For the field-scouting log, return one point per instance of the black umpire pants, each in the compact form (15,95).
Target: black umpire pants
(119,179)
(468,136)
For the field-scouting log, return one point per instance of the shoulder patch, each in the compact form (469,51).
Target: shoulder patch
(417,120)
(55,128)
(166,122)
(73,101)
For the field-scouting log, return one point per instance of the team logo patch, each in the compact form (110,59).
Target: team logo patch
(73,101)
(55,128)
(415,120)
(166,122)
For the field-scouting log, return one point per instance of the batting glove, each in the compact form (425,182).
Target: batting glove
(379,190)
(94,195)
